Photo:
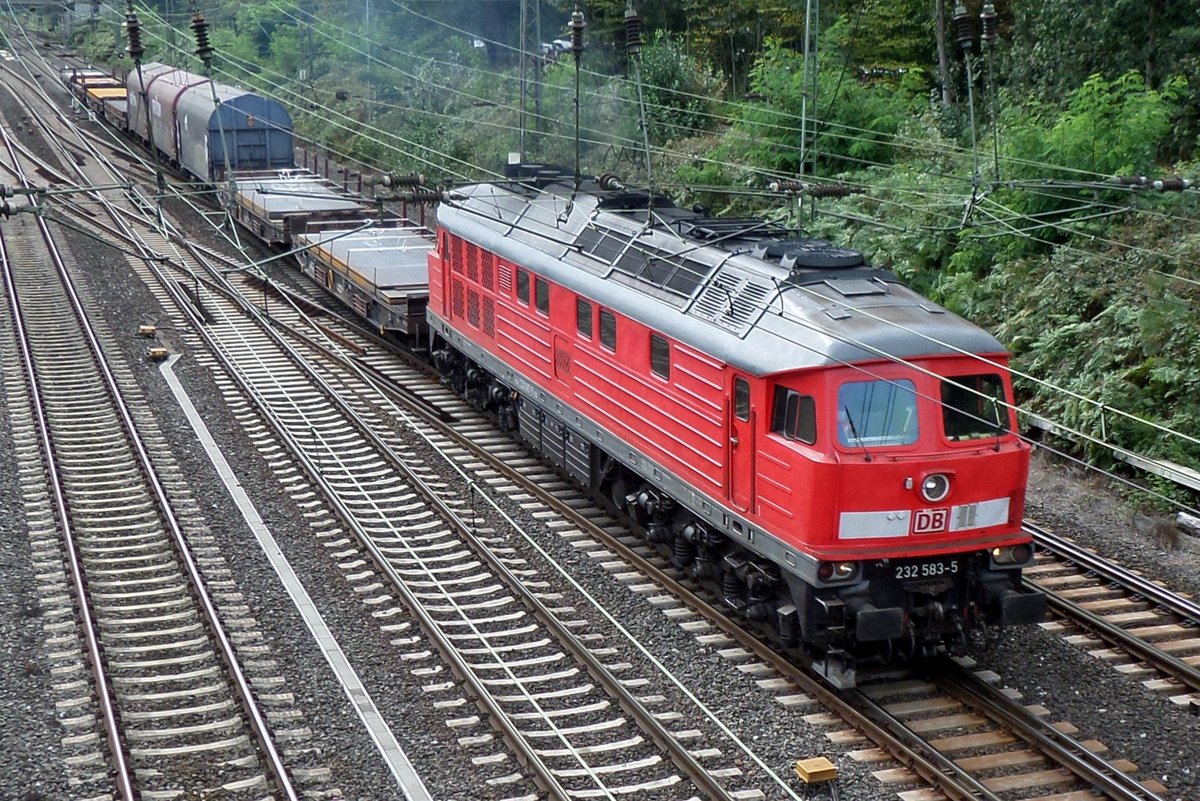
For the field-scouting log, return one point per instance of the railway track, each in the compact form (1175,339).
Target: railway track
(538,668)
(562,705)
(166,678)
(897,701)
(1143,629)
(985,739)
(957,733)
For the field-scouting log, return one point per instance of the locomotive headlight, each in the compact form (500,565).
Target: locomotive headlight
(837,571)
(1012,554)
(935,487)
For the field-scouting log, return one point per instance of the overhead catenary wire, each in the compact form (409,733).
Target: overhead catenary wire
(786,116)
(663,150)
(750,753)
(858,220)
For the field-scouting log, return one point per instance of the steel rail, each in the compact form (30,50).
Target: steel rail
(679,754)
(225,647)
(859,711)
(1106,630)
(856,709)
(108,713)
(1093,563)
(625,698)
(544,776)
(1062,748)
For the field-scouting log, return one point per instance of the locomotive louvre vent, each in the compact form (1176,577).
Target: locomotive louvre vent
(456,254)
(457,300)
(487,265)
(732,300)
(489,316)
(473,308)
(473,262)
(505,278)
(562,362)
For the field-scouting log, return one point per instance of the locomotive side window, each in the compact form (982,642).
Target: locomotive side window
(541,295)
(795,415)
(608,329)
(973,407)
(872,413)
(583,317)
(660,356)
(741,399)
(522,285)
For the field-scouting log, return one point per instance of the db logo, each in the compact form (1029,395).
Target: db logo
(927,521)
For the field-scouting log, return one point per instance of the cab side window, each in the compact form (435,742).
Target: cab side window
(795,416)
(741,399)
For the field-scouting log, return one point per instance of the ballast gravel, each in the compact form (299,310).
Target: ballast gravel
(777,734)
(31,758)
(346,749)
(1134,722)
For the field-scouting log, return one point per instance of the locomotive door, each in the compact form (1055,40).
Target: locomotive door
(741,445)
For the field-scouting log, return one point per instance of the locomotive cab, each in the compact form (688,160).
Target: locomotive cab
(916,529)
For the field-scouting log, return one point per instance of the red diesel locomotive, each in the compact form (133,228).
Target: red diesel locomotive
(834,451)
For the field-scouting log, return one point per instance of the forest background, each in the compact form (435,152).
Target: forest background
(987,174)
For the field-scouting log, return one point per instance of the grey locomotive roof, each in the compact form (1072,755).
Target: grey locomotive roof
(385,257)
(749,311)
(286,194)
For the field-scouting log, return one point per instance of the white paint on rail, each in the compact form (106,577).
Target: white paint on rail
(406,776)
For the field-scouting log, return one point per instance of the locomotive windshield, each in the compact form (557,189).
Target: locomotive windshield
(873,413)
(973,406)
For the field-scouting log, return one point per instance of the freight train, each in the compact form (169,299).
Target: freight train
(242,143)
(832,451)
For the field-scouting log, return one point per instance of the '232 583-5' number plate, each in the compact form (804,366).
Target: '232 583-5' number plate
(920,570)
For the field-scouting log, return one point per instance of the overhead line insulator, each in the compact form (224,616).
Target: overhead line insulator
(133,30)
(577,25)
(418,195)
(610,182)
(964,28)
(814,190)
(633,30)
(392,180)
(987,20)
(204,50)
(1172,184)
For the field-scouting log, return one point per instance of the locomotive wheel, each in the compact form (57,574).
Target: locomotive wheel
(617,492)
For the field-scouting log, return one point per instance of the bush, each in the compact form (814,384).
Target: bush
(679,90)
